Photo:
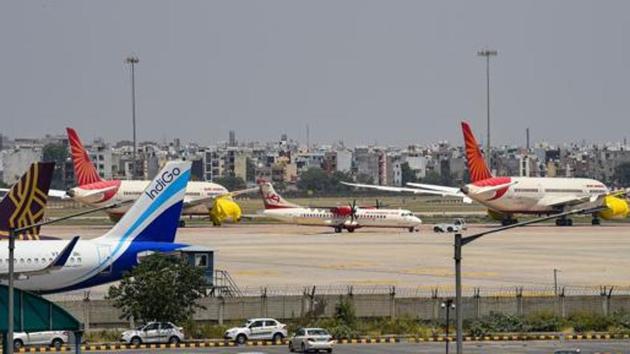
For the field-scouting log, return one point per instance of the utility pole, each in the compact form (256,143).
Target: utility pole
(488,53)
(9,341)
(132,61)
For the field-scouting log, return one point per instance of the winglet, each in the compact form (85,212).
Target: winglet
(63,256)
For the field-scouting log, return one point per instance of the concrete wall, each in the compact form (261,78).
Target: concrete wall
(100,313)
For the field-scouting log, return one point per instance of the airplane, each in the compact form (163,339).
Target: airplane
(507,196)
(349,217)
(25,203)
(148,226)
(202,198)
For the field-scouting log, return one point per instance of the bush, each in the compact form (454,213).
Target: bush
(497,323)
(345,312)
(584,322)
(545,322)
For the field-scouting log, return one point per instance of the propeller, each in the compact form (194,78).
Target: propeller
(353,210)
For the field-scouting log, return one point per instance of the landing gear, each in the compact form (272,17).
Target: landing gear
(350,229)
(508,221)
(338,229)
(412,229)
(596,220)
(564,221)
(182,223)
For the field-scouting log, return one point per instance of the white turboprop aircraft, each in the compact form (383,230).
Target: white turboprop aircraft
(348,217)
(149,226)
(202,198)
(506,196)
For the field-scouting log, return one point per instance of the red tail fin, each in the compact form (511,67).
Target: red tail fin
(477,168)
(84,170)
(271,199)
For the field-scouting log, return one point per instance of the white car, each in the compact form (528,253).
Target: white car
(458,225)
(257,328)
(55,339)
(154,332)
(311,339)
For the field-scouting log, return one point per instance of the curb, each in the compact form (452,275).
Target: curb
(367,340)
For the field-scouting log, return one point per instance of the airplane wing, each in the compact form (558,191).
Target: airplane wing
(563,202)
(205,200)
(56,264)
(57,193)
(435,190)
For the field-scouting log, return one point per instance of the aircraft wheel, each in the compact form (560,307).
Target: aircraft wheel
(182,223)
(351,229)
(337,229)
(559,222)
(411,229)
(569,222)
(596,221)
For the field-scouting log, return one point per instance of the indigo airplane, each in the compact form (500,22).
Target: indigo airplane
(149,226)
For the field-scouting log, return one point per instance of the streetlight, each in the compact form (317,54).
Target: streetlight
(461,241)
(555,281)
(132,60)
(447,305)
(488,53)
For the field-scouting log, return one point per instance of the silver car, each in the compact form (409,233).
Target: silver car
(55,339)
(311,339)
(154,332)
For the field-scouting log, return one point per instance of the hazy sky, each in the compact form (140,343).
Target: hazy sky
(392,72)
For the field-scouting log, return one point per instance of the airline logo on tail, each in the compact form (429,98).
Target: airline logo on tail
(84,170)
(162,182)
(273,200)
(477,168)
(26,201)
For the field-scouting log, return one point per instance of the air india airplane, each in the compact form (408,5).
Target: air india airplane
(202,198)
(507,196)
(349,217)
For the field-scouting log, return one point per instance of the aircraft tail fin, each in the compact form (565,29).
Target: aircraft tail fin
(25,202)
(155,214)
(273,200)
(477,167)
(84,170)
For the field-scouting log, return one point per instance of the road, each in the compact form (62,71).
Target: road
(411,348)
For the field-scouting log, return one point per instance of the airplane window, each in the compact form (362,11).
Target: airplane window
(28,261)
(71,259)
(21,260)
(79,259)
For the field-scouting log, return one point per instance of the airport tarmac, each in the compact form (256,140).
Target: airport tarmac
(286,255)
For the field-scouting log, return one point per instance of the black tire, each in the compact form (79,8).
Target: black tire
(329,350)
(559,222)
(291,347)
(351,229)
(436,229)
(241,339)
(411,229)
(136,341)
(596,222)
(173,340)
(569,222)
(277,337)
(449,229)
(337,229)
(182,223)
(57,343)
(17,344)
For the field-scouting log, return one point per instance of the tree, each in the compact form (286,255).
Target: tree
(622,174)
(232,183)
(57,153)
(318,181)
(160,288)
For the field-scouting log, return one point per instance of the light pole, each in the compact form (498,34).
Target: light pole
(555,281)
(132,61)
(447,305)
(488,53)
(461,241)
